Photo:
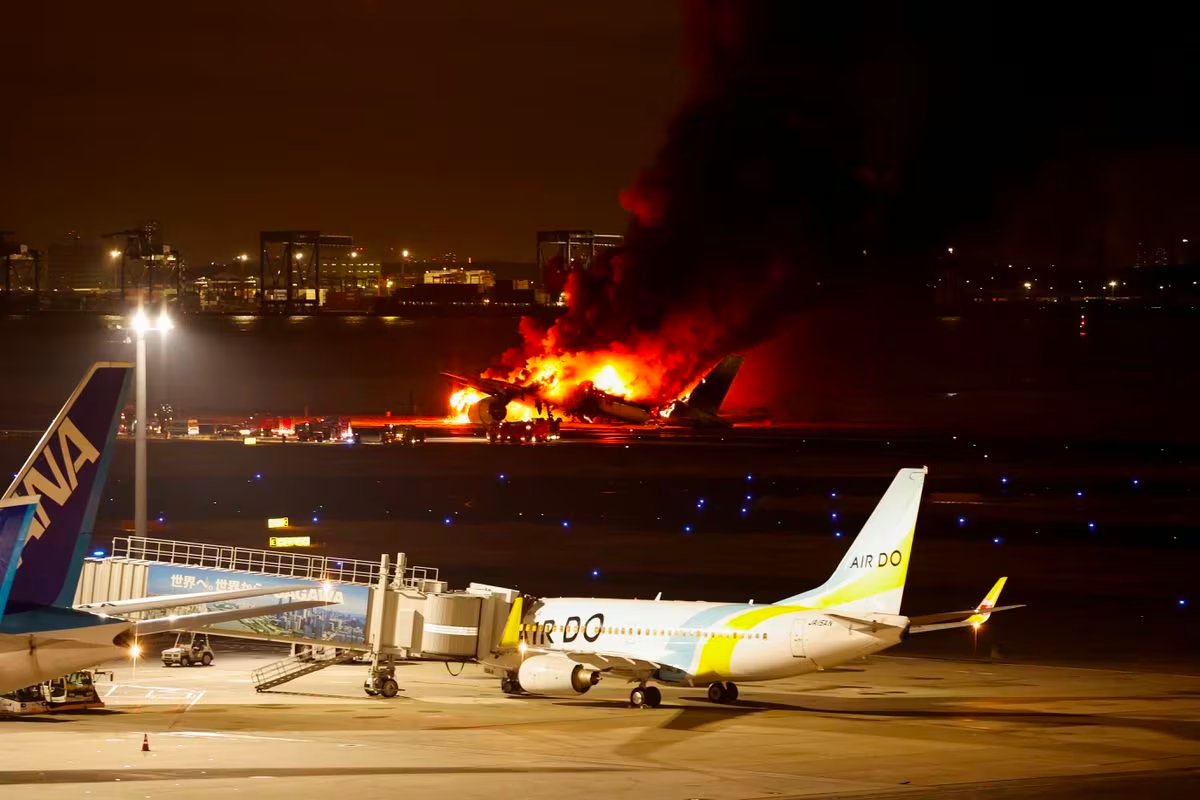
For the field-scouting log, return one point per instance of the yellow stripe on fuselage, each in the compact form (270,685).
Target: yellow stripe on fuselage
(717,654)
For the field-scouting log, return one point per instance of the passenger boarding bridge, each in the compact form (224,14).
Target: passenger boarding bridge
(386,609)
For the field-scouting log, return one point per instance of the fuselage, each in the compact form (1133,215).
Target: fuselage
(703,642)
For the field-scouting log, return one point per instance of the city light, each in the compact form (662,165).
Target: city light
(404,253)
(114,253)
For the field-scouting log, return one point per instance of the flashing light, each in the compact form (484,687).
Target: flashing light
(135,650)
(141,323)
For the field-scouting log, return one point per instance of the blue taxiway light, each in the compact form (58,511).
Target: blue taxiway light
(258,476)
(687,528)
(962,521)
(566,524)
(1079,493)
(1004,479)
(837,534)
(1091,526)
(595,573)
(1181,602)
(98,553)
(996,540)
(314,519)
(447,521)
(833,515)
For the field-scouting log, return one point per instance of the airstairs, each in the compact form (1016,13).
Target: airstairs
(292,667)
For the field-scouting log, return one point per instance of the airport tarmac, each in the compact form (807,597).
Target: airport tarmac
(889,726)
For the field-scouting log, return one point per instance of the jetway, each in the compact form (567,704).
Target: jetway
(388,609)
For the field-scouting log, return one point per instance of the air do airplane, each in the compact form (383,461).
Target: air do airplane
(566,645)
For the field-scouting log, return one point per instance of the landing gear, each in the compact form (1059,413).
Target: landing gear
(381,680)
(645,696)
(510,686)
(722,692)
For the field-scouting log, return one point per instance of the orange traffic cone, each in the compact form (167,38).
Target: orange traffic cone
(145,743)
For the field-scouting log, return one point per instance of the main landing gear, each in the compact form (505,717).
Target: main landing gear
(645,696)
(510,686)
(722,692)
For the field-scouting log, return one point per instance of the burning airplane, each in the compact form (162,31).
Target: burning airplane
(603,395)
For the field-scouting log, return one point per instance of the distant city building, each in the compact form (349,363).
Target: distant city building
(476,277)
(1160,257)
(1142,256)
(75,264)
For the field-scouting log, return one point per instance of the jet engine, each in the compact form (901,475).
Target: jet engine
(488,410)
(556,675)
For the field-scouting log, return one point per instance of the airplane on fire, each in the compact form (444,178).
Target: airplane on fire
(564,646)
(700,409)
(46,521)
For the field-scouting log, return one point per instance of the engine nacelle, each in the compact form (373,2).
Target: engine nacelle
(487,411)
(555,675)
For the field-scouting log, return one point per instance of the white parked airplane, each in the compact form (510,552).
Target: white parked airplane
(46,519)
(566,645)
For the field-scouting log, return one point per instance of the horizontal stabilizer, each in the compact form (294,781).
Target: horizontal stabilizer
(961,619)
(119,608)
(192,621)
(953,619)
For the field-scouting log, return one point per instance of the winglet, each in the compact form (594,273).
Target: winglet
(512,628)
(983,610)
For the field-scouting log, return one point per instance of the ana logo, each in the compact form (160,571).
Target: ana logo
(74,452)
(870,560)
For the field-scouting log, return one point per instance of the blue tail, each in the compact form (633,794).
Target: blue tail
(16,516)
(66,471)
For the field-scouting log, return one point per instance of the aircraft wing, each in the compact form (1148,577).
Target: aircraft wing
(189,621)
(491,386)
(614,662)
(118,608)
(961,619)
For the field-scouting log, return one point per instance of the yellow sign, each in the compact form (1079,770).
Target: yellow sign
(290,541)
(277,522)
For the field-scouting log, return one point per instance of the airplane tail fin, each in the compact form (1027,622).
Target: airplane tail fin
(66,470)
(16,515)
(710,393)
(870,577)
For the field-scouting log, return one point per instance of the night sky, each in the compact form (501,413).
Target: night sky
(430,126)
(1019,131)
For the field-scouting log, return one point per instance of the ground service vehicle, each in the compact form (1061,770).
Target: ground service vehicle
(189,649)
(409,435)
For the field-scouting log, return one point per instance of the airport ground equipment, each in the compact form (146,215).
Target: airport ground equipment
(292,667)
(73,692)
(190,649)
(382,610)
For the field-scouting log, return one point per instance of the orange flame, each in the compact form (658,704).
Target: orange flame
(461,401)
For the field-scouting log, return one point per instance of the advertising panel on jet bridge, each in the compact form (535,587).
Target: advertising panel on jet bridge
(343,623)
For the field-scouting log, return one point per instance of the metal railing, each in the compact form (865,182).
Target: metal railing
(266,562)
(292,667)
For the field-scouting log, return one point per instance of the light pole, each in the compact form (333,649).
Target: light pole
(141,326)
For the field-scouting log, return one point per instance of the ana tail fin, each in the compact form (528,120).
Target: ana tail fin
(67,470)
(870,577)
(16,516)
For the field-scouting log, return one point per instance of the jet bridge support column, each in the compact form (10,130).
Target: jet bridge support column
(381,679)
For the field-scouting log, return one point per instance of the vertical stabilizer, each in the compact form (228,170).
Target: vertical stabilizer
(870,577)
(709,394)
(66,470)
(16,515)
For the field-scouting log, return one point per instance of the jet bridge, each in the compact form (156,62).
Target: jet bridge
(387,609)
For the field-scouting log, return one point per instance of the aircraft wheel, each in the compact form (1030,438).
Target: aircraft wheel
(716,692)
(389,688)
(637,698)
(206,659)
(509,686)
(653,696)
(731,692)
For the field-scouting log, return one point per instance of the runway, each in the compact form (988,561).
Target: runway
(888,726)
